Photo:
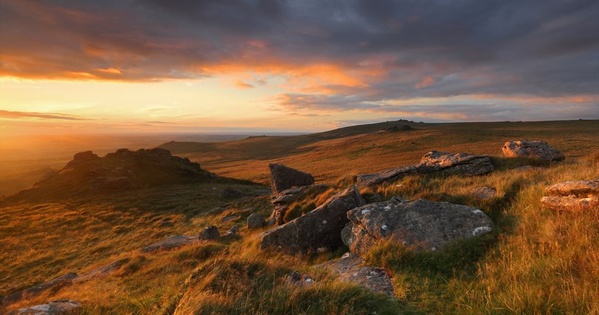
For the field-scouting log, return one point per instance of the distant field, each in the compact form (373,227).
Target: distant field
(366,148)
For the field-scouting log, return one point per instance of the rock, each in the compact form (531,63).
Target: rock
(298,278)
(434,161)
(85,156)
(385,176)
(51,308)
(102,271)
(538,150)
(422,224)
(284,177)
(209,233)
(463,163)
(580,195)
(578,188)
(255,220)
(319,228)
(234,230)
(350,269)
(171,242)
(284,199)
(54,284)
(483,193)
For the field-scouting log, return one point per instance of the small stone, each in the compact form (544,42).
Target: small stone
(255,220)
(209,233)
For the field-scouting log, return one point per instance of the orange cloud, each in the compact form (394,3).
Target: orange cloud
(428,81)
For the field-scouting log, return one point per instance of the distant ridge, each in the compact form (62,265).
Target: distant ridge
(122,170)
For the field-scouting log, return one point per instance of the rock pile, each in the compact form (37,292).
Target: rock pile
(422,224)
(118,171)
(285,198)
(317,230)
(572,196)
(538,150)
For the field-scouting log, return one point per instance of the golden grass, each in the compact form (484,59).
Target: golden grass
(535,262)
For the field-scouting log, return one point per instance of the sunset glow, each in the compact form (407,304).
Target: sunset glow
(196,66)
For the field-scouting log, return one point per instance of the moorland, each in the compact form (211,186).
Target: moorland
(535,261)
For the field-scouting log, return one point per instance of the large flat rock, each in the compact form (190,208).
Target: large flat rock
(422,224)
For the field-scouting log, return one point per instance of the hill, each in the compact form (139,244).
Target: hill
(122,170)
(536,260)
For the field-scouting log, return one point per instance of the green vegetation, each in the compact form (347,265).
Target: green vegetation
(536,261)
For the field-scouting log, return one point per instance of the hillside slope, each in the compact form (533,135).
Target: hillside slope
(371,148)
(536,260)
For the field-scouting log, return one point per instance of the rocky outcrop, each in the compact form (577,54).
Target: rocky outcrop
(119,171)
(422,224)
(434,161)
(538,150)
(284,177)
(172,242)
(285,198)
(316,230)
(350,268)
(54,284)
(255,220)
(572,196)
(51,308)
(462,163)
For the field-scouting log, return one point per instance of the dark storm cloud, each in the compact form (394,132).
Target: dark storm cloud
(397,49)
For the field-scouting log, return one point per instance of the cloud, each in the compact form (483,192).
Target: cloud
(20,115)
(351,54)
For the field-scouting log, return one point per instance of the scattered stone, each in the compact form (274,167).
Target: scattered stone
(284,177)
(171,242)
(538,150)
(255,220)
(51,308)
(462,163)
(54,284)
(483,193)
(298,278)
(234,230)
(397,128)
(422,224)
(209,233)
(319,228)
(102,271)
(572,196)
(350,269)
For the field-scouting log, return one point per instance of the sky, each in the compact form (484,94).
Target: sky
(282,65)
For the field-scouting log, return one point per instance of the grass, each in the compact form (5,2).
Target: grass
(536,261)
